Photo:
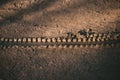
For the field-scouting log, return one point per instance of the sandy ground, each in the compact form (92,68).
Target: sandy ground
(60,64)
(36,18)
(57,17)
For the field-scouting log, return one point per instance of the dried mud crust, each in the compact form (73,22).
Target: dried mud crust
(36,18)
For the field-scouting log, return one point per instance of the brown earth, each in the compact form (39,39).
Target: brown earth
(60,64)
(36,18)
(56,17)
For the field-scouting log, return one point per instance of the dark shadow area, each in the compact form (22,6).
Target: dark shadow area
(118,25)
(3,2)
(46,3)
(18,15)
(60,64)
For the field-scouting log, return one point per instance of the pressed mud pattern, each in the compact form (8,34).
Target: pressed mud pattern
(59,39)
(71,40)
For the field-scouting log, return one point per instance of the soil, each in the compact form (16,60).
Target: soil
(51,18)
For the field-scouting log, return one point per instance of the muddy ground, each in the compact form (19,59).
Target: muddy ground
(51,18)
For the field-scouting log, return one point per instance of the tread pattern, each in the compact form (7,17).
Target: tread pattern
(70,41)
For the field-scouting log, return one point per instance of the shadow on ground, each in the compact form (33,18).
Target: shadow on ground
(60,64)
(42,5)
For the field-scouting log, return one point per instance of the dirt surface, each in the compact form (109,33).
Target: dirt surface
(36,18)
(60,64)
(19,18)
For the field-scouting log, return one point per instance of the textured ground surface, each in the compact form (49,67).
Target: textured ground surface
(36,18)
(60,64)
(56,17)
